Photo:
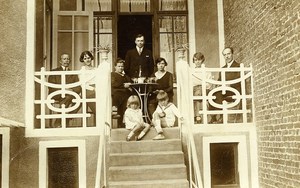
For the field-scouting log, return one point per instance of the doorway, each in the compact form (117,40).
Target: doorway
(128,27)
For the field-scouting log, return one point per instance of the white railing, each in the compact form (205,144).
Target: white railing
(77,119)
(237,111)
(184,95)
(241,104)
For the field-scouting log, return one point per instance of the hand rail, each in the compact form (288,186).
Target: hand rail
(103,105)
(184,94)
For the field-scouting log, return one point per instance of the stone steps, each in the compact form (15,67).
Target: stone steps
(147,163)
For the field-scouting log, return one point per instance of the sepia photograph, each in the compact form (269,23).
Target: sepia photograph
(150,94)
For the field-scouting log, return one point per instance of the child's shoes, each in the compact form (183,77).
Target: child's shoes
(159,137)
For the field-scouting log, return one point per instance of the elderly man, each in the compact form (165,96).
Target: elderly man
(56,79)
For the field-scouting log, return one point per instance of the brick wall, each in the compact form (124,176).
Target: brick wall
(266,33)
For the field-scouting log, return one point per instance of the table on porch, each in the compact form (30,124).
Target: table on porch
(143,90)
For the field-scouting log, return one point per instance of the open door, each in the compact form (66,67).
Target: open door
(128,27)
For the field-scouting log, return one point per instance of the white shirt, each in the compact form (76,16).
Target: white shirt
(197,77)
(229,64)
(171,111)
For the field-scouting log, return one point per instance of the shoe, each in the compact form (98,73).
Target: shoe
(197,119)
(128,138)
(159,137)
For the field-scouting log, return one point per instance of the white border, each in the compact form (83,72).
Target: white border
(5,132)
(191,22)
(30,54)
(242,158)
(44,145)
(221,31)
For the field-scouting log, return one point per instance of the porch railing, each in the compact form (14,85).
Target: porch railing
(184,95)
(237,109)
(79,118)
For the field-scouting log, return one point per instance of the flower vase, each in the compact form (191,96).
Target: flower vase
(181,52)
(104,55)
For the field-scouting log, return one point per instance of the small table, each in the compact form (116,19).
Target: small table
(143,90)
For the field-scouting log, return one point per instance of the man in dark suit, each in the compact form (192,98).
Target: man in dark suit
(139,61)
(230,63)
(56,79)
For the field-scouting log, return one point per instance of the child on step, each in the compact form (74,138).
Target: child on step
(133,119)
(164,115)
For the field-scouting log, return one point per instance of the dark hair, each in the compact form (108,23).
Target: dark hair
(86,53)
(119,60)
(162,95)
(158,60)
(198,56)
(231,49)
(138,36)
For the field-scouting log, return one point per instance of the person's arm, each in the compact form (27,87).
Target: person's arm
(176,112)
(52,80)
(127,120)
(115,82)
(170,83)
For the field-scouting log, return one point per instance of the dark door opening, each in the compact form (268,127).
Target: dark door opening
(128,27)
(224,165)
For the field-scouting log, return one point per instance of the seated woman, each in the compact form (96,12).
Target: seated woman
(120,90)
(165,83)
(86,58)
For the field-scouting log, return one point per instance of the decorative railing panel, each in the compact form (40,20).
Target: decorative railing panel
(236,108)
(82,88)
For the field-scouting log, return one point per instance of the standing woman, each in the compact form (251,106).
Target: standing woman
(86,58)
(164,79)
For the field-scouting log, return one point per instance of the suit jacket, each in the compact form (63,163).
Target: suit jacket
(133,61)
(56,79)
(232,76)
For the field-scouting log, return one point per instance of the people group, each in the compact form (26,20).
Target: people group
(126,104)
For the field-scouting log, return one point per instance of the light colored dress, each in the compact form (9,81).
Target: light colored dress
(132,117)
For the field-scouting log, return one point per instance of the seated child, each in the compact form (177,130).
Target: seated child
(133,119)
(164,115)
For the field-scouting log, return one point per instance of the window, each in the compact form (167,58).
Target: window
(4,156)
(62,163)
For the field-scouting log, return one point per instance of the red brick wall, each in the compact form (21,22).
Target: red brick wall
(267,34)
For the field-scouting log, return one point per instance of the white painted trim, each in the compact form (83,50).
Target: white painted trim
(5,132)
(242,158)
(191,22)
(8,122)
(30,59)
(221,31)
(44,145)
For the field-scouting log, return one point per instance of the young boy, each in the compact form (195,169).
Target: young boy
(164,115)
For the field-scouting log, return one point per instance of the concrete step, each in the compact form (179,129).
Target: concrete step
(121,134)
(145,146)
(147,172)
(146,158)
(173,183)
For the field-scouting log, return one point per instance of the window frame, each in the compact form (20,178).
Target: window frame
(44,145)
(5,132)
